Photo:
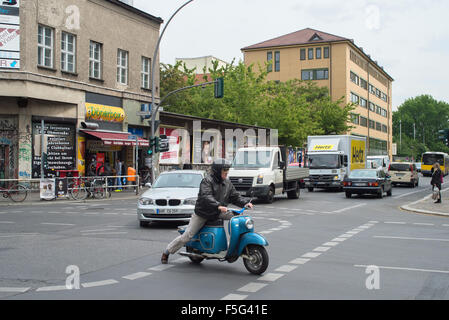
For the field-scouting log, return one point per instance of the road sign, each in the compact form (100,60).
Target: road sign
(132,137)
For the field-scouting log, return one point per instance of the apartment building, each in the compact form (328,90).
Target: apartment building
(69,62)
(339,64)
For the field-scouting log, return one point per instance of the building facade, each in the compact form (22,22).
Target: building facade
(338,64)
(72,62)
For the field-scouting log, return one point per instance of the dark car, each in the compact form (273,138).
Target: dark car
(367,181)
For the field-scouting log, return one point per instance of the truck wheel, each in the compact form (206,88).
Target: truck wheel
(270,196)
(293,194)
(310,189)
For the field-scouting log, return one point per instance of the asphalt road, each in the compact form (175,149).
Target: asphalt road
(321,246)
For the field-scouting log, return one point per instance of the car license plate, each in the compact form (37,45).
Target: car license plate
(400,174)
(167,210)
(360,184)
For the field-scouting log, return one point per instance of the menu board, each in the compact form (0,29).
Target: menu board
(59,146)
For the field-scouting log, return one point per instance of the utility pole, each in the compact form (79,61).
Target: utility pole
(400,135)
(42,147)
(155,105)
(414,132)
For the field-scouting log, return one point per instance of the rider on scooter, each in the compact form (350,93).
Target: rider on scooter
(216,192)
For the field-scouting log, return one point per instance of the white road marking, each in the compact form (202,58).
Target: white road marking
(299,261)
(99,283)
(365,226)
(57,224)
(7,222)
(252,287)
(265,232)
(5,235)
(339,239)
(52,288)
(286,268)
(406,194)
(349,208)
(423,224)
(410,238)
(395,222)
(275,229)
(233,296)
(445,225)
(103,233)
(137,275)
(352,232)
(161,267)
(181,260)
(311,255)
(271,277)
(111,213)
(373,222)
(407,269)
(346,235)
(55,212)
(331,244)
(14,290)
(321,249)
(97,230)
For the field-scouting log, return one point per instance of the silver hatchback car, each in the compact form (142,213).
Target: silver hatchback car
(171,198)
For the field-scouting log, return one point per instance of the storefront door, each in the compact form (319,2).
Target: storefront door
(4,163)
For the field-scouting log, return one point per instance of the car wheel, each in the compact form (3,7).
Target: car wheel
(270,196)
(389,192)
(380,195)
(348,194)
(310,189)
(143,224)
(293,194)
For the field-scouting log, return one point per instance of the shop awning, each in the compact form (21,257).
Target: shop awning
(117,138)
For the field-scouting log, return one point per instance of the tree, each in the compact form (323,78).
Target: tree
(296,108)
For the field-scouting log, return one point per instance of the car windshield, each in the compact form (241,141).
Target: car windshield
(399,167)
(363,174)
(178,180)
(323,161)
(252,159)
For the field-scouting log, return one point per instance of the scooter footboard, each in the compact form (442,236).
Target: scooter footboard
(250,238)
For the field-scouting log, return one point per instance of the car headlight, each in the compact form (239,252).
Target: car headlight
(190,201)
(260,179)
(336,177)
(249,223)
(146,201)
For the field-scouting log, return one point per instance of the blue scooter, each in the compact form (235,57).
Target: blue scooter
(211,243)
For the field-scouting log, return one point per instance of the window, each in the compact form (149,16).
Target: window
(372,107)
(315,74)
(384,113)
(378,93)
(384,128)
(354,78)
(95,58)
(326,52)
(354,118)
(277,61)
(378,126)
(354,98)
(384,97)
(310,53)
(122,66)
(318,53)
(363,102)
(45,47)
(270,60)
(363,121)
(372,89)
(302,54)
(68,52)
(145,73)
(363,84)
(372,124)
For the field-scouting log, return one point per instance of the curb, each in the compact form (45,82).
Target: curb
(408,207)
(65,201)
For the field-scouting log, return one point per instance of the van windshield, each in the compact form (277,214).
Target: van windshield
(252,159)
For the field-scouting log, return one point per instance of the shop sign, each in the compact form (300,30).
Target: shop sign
(9,35)
(101,112)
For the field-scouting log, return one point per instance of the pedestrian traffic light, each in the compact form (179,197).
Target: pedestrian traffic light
(219,87)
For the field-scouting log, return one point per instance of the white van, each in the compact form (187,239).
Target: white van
(381,161)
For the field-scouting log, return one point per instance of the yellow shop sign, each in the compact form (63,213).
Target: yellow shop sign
(100,112)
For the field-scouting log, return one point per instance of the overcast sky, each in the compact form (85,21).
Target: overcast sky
(410,39)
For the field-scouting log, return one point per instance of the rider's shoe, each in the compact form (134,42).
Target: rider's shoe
(164,258)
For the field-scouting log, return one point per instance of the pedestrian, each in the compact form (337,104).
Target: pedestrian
(216,192)
(118,173)
(437,180)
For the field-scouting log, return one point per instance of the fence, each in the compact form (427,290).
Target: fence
(78,188)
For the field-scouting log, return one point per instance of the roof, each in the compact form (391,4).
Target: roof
(137,11)
(304,36)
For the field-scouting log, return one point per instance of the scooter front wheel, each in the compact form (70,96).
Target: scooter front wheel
(258,259)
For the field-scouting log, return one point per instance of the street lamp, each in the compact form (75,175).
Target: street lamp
(154,105)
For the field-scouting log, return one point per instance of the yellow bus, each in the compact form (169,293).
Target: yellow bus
(429,158)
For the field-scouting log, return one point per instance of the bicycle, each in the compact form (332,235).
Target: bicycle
(82,188)
(16,192)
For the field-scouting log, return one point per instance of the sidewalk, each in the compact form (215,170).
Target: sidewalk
(426,205)
(33,198)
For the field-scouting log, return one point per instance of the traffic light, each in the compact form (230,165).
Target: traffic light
(219,87)
(154,141)
(443,135)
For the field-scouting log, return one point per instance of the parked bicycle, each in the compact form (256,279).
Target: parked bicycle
(15,191)
(82,188)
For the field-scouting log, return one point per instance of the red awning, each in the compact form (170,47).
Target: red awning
(117,138)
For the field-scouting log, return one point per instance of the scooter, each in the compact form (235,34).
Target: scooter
(211,243)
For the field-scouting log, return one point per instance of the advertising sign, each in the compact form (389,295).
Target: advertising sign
(358,154)
(179,147)
(9,34)
(104,113)
(47,189)
(61,187)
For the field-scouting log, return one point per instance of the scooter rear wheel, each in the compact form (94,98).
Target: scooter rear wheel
(259,259)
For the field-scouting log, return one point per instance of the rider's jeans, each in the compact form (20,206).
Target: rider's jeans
(195,224)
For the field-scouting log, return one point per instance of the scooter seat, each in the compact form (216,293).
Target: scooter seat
(214,223)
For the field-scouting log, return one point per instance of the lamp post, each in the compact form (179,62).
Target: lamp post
(154,104)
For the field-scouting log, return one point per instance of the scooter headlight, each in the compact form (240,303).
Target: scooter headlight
(249,223)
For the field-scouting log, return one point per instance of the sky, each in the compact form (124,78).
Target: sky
(409,38)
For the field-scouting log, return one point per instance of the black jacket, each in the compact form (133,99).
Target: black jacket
(436,177)
(214,193)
